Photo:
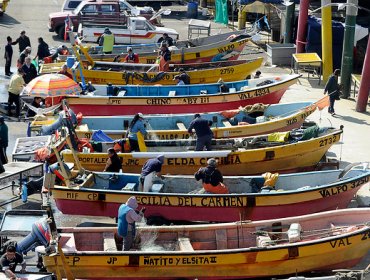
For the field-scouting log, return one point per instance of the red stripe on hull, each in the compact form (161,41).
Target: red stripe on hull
(221,214)
(118,110)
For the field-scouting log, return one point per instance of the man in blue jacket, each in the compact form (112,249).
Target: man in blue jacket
(203,132)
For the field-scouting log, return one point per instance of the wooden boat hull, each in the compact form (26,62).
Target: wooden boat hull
(299,156)
(227,73)
(103,199)
(227,259)
(218,51)
(284,122)
(114,106)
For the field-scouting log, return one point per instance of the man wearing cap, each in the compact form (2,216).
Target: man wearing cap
(212,180)
(203,132)
(136,126)
(166,39)
(150,170)
(23,41)
(16,85)
(107,41)
(184,76)
(114,163)
(131,57)
(3,140)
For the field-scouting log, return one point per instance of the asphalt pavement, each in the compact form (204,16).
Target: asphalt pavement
(32,16)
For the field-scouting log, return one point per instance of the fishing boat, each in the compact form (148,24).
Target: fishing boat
(182,198)
(250,120)
(183,99)
(239,250)
(116,73)
(216,51)
(269,153)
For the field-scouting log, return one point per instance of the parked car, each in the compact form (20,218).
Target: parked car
(111,11)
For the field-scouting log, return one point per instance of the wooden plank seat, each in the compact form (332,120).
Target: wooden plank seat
(181,125)
(185,244)
(226,123)
(109,242)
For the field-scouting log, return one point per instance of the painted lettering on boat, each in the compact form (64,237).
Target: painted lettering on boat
(340,243)
(292,121)
(115,101)
(194,100)
(167,261)
(88,135)
(92,196)
(72,195)
(328,141)
(158,101)
(305,115)
(261,92)
(75,259)
(225,71)
(189,201)
(334,191)
(112,260)
(150,60)
(202,161)
(169,136)
(131,161)
(93,160)
(226,48)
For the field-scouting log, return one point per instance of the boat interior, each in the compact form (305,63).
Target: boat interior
(219,237)
(186,184)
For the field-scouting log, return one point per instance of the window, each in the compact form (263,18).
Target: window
(140,25)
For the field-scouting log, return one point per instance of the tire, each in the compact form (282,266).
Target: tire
(61,32)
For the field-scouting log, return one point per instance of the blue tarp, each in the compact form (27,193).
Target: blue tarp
(314,39)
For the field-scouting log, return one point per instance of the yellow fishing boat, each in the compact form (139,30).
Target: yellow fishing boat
(259,155)
(125,73)
(217,51)
(268,248)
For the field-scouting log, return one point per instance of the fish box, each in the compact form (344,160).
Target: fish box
(25,147)
(280,54)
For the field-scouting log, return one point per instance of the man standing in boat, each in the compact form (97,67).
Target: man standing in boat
(136,126)
(127,216)
(164,58)
(107,41)
(150,170)
(212,179)
(203,132)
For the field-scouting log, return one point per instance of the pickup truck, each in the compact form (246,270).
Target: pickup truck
(100,11)
(137,31)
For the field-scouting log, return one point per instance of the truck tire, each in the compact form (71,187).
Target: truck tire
(61,32)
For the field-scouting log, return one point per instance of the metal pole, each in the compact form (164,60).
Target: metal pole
(364,90)
(289,21)
(302,25)
(347,56)
(327,40)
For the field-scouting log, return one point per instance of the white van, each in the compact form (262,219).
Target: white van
(70,5)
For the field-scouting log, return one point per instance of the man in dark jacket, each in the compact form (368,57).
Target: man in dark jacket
(212,180)
(3,140)
(29,70)
(166,39)
(23,41)
(332,88)
(203,132)
(8,56)
(150,170)
(42,49)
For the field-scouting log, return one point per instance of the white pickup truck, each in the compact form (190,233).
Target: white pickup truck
(137,31)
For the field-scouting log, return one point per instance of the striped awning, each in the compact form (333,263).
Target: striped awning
(50,85)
